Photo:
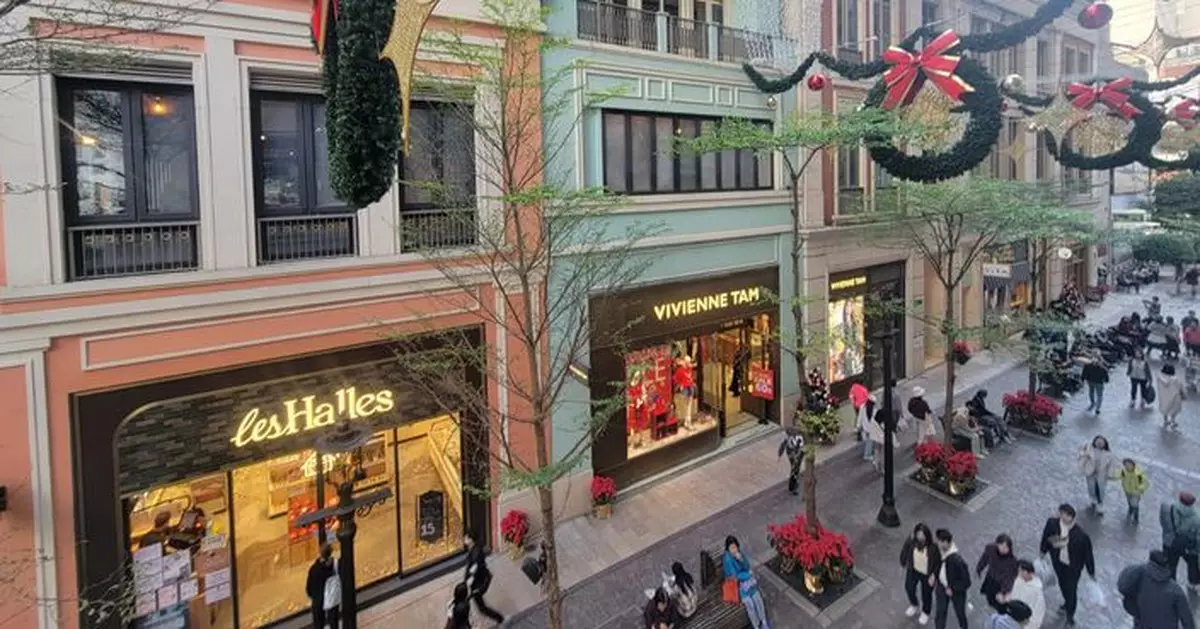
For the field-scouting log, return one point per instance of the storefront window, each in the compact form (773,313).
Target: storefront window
(663,404)
(431,491)
(847,338)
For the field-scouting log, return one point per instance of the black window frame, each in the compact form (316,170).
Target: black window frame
(308,172)
(677,120)
(439,161)
(133,143)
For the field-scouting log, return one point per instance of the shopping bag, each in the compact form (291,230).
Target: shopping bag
(1045,571)
(1148,394)
(1093,594)
(729,592)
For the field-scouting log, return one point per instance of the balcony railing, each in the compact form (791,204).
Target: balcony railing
(117,250)
(290,238)
(850,53)
(850,202)
(661,32)
(422,230)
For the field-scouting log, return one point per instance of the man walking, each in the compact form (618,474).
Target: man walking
(1096,376)
(319,574)
(1070,551)
(954,579)
(793,446)
(1151,595)
(1181,536)
(1028,590)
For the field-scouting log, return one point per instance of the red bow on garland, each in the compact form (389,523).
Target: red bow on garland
(1185,113)
(910,70)
(1114,95)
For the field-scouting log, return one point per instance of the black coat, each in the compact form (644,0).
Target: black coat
(1079,548)
(318,573)
(958,573)
(1154,598)
(1093,372)
(931,550)
(1001,570)
(478,577)
(653,616)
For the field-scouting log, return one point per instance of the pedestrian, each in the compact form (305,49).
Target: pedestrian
(1098,465)
(1191,337)
(1001,566)
(1192,278)
(866,415)
(954,580)
(458,612)
(897,405)
(977,407)
(683,591)
(1095,374)
(1138,371)
(660,612)
(319,574)
(793,446)
(1070,551)
(1152,597)
(922,562)
(922,414)
(1134,484)
(737,567)
(1170,397)
(1190,318)
(478,577)
(875,427)
(1015,615)
(1181,536)
(1172,331)
(1028,589)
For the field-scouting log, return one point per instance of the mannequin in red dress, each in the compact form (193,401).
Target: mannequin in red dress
(685,384)
(637,408)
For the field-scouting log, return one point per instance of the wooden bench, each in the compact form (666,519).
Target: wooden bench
(711,611)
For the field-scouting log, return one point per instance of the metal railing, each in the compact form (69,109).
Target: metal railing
(851,53)
(850,201)
(617,25)
(687,38)
(119,250)
(735,45)
(422,230)
(289,238)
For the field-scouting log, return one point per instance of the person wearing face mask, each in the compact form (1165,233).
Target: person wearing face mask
(1015,615)
(922,561)
(1098,465)
(660,612)
(1070,551)
(737,567)
(1001,566)
(1029,590)
(954,580)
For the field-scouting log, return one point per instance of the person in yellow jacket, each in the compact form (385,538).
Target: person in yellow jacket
(1134,483)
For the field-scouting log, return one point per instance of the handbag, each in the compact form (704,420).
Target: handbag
(333,591)
(729,591)
(1148,394)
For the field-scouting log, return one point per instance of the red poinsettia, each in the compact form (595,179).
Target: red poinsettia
(514,527)
(823,552)
(1037,406)
(604,490)
(962,466)
(961,347)
(931,453)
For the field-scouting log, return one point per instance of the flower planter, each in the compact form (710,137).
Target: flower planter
(836,575)
(787,565)
(962,358)
(602,512)
(812,583)
(514,551)
(956,487)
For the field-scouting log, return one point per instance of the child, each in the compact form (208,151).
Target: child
(1134,483)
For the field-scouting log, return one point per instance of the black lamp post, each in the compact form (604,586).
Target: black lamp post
(344,439)
(888,516)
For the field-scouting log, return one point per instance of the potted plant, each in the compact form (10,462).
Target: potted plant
(604,494)
(931,456)
(513,528)
(961,468)
(824,556)
(962,352)
(1035,412)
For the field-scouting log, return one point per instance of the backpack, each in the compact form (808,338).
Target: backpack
(1129,584)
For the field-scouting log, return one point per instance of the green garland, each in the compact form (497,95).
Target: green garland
(364,107)
(1147,131)
(329,76)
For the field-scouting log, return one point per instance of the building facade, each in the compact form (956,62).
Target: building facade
(192,309)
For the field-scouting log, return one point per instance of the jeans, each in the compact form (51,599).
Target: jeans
(756,610)
(914,580)
(944,602)
(1191,560)
(1135,386)
(1068,584)
(868,448)
(1096,486)
(1135,503)
(1095,395)
(794,474)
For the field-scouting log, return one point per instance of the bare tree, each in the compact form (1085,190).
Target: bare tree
(543,246)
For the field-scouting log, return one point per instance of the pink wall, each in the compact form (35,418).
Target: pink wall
(18,604)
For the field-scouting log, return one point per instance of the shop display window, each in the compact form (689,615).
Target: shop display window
(663,397)
(431,491)
(847,338)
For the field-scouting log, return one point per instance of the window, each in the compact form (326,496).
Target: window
(1069,68)
(1085,63)
(1043,59)
(882,17)
(298,215)
(929,12)
(641,157)
(437,177)
(129,165)
(1015,153)
(849,178)
(847,32)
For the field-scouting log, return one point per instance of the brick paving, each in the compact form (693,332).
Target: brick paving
(1031,477)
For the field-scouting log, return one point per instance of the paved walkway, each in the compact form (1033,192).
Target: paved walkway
(606,564)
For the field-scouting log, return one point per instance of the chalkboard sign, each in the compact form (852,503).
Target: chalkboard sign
(431,516)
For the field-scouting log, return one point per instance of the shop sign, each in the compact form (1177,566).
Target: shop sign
(431,516)
(850,282)
(762,382)
(707,303)
(993,269)
(309,413)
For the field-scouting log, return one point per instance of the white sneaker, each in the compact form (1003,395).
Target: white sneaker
(970,606)
(923,620)
(911,611)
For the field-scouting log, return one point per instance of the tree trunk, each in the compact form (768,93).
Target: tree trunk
(810,453)
(1035,274)
(551,585)
(948,327)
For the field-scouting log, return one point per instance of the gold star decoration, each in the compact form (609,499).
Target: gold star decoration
(931,109)
(1178,139)
(1098,134)
(1057,117)
(401,49)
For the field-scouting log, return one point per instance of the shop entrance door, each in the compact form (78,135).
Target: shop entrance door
(885,311)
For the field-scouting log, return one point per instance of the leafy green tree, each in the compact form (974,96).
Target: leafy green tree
(1166,248)
(1177,197)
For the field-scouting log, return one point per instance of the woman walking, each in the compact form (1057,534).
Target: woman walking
(866,414)
(1138,371)
(458,612)
(1001,566)
(922,414)
(1170,397)
(737,567)
(873,419)
(1098,465)
(478,577)
(921,560)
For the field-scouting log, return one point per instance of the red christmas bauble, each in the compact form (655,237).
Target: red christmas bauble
(817,82)
(1095,15)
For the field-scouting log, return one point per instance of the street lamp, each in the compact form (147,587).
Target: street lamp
(888,516)
(345,439)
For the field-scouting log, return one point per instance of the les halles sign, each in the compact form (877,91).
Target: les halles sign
(310,413)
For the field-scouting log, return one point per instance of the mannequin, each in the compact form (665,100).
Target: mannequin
(637,404)
(685,383)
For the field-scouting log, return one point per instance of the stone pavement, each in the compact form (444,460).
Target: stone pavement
(1029,479)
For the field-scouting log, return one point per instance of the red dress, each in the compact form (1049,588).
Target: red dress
(636,408)
(685,377)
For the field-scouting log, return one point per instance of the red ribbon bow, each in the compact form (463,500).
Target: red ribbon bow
(1114,95)
(1185,112)
(910,70)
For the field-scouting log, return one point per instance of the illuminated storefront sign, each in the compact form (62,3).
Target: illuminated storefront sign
(310,413)
(850,282)
(707,303)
